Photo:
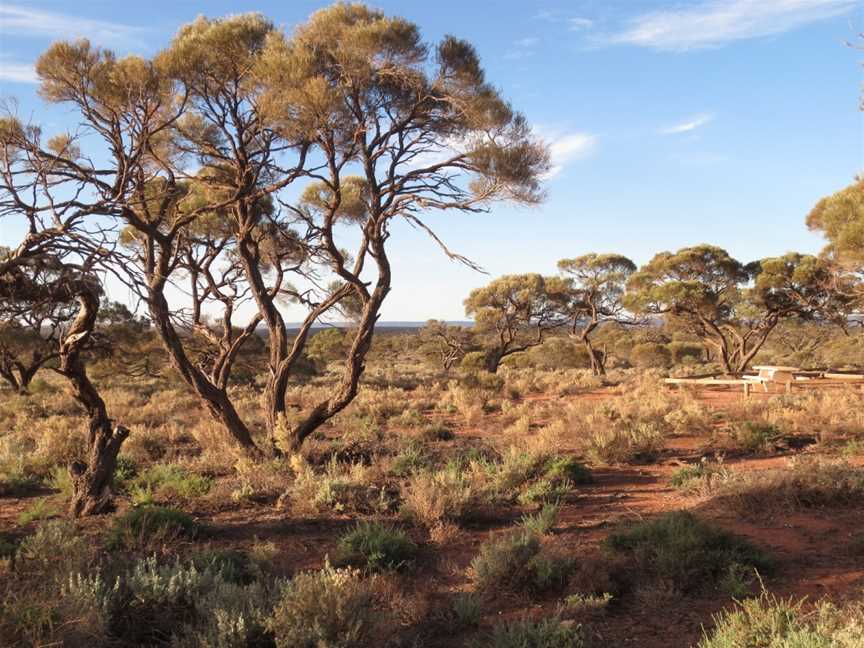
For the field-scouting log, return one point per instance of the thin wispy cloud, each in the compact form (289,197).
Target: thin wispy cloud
(691,124)
(17,20)
(13,72)
(580,24)
(567,147)
(522,48)
(714,23)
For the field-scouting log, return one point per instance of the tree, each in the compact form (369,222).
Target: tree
(840,217)
(446,343)
(596,285)
(53,269)
(380,125)
(731,307)
(514,312)
(327,345)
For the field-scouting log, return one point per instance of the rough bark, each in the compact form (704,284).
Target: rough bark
(91,479)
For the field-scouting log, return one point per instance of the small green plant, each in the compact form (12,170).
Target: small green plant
(467,610)
(232,565)
(411,459)
(577,603)
(168,481)
(146,526)
(376,546)
(546,633)
(756,436)
(680,549)
(568,469)
(330,608)
(783,623)
(516,561)
(39,510)
(543,491)
(541,522)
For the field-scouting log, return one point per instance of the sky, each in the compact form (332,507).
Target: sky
(669,123)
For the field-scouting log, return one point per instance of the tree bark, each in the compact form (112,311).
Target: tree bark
(91,479)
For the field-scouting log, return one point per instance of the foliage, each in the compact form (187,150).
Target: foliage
(151,526)
(376,546)
(684,551)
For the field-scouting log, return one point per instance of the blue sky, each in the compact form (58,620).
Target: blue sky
(670,123)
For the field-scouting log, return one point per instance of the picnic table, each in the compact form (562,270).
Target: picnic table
(774,374)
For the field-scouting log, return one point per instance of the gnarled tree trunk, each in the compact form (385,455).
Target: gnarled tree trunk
(91,479)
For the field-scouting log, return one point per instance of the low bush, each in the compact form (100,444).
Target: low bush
(376,546)
(167,482)
(151,526)
(804,484)
(680,550)
(330,608)
(783,623)
(541,522)
(547,633)
(515,562)
(637,442)
(755,436)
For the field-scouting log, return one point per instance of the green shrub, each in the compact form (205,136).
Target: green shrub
(567,468)
(55,549)
(466,611)
(167,481)
(176,604)
(541,522)
(755,436)
(802,485)
(330,608)
(679,549)
(411,459)
(770,622)
(376,546)
(148,526)
(516,562)
(547,633)
(39,510)
(232,565)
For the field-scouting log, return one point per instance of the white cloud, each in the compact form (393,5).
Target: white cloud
(19,20)
(714,23)
(527,42)
(579,24)
(567,147)
(17,72)
(690,124)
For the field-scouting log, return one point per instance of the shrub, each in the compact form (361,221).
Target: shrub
(433,496)
(150,526)
(547,633)
(176,604)
(376,546)
(515,562)
(702,477)
(679,549)
(649,355)
(755,436)
(166,481)
(436,432)
(232,565)
(778,623)
(55,549)
(542,522)
(567,468)
(624,443)
(330,608)
(804,484)
(466,611)
(39,510)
